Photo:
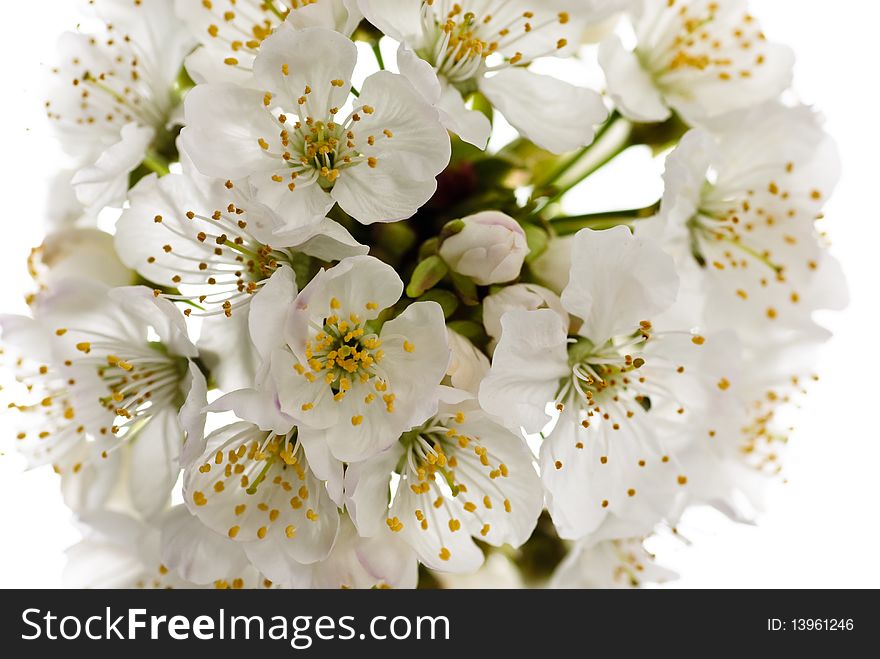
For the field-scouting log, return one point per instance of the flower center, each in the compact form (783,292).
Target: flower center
(314,145)
(265,470)
(124,92)
(344,353)
(459,39)
(134,381)
(221,265)
(760,226)
(605,381)
(431,468)
(697,40)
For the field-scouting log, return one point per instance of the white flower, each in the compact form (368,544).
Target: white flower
(357,562)
(214,246)
(739,215)
(119,551)
(257,489)
(451,50)
(231,31)
(625,394)
(125,357)
(526,297)
(214,243)
(741,446)
(113,96)
(48,426)
(609,564)
(457,477)
(352,388)
(700,58)
(489,247)
(306,143)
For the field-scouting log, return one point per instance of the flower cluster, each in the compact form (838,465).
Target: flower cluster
(344,331)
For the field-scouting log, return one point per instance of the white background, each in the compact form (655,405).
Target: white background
(822,528)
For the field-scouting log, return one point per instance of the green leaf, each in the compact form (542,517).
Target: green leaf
(466,289)
(447,300)
(427,275)
(471,330)
(538,239)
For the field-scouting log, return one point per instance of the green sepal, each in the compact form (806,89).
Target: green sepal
(426,276)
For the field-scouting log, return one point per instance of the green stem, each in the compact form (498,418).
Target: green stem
(564,226)
(612,139)
(564,167)
(156,163)
(354,91)
(377,51)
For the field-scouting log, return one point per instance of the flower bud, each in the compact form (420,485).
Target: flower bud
(489,248)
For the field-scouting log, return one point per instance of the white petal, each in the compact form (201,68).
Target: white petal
(420,146)
(609,564)
(105,183)
(287,509)
(470,125)
(223,126)
(89,487)
(401,22)
(269,309)
(631,88)
(196,552)
(438,546)
(617,281)
(528,364)
(525,297)
(322,463)
(553,114)
(373,195)
(192,417)
(579,483)
(686,170)
(367,490)
(357,562)
(303,207)
(259,407)
(414,371)
(420,74)
(313,58)
(81,252)
(468,366)
(340,15)
(230,369)
(155,452)
(330,241)
(515,491)
(158,313)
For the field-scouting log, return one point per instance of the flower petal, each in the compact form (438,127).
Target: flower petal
(553,114)
(519,386)
(223,125)
(197,553)
(312,58)
(617,281)
(631,88)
